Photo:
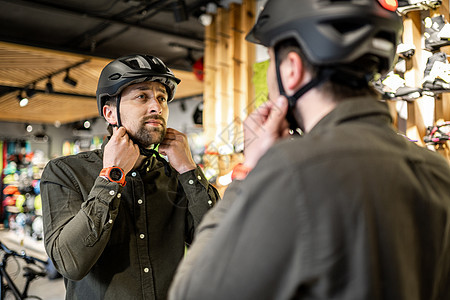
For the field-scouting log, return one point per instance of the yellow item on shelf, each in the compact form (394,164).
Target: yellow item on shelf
(20,202)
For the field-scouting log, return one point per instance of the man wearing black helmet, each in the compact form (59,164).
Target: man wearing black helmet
(117,219)
(348,210)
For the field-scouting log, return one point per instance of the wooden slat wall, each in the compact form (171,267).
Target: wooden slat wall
(228,91)
(415,128)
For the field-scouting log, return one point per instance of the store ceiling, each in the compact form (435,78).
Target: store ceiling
(39,38)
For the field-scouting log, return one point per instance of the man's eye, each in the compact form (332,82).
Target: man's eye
(162,99)
(140,96)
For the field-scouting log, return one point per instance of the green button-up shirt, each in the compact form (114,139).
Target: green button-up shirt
(114,242)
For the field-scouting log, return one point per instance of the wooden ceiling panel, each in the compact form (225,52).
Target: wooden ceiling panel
(46,108)
(22,66)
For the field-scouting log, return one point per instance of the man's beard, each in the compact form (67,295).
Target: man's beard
(147,136)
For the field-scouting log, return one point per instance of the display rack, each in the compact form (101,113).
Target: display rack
(21,171)
(420,117)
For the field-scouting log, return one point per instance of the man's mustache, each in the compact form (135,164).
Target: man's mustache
(154,117)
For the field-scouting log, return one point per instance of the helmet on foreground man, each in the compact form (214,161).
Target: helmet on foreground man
(349,41)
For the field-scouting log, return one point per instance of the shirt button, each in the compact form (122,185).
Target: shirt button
(142,236)
(112,193)
(209,202)
(140,201)
(148,169)
(146,270)
(199,177)
(110,221)
(119,195)
(133,174)
(191,181)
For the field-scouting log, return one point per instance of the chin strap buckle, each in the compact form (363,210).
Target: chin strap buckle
(151,152)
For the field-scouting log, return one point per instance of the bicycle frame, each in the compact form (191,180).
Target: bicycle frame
(10,285)
(29,273)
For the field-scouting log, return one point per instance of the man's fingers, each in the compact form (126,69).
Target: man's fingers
(114,130)
(172,140)
(259,116)
(277,113)
(263,111)
(120,132)
(170,136)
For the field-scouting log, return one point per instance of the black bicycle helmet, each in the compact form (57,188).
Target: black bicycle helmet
(131,69)
(347,39)
(332,32)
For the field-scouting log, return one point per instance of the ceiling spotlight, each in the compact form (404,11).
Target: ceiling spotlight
(49,86)
(183,105)
(29,127)
(69,80)
(30,92)
(23,101)
(205,19)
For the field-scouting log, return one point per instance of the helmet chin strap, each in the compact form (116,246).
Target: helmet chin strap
(151,152)
(294,123)
(119,123)
(142,150)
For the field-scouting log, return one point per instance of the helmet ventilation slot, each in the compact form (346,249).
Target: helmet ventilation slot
(345,27)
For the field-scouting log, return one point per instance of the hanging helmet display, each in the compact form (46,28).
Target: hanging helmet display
(132,69)
(333,33)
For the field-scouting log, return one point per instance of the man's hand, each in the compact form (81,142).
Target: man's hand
(120,151)
(263,128)
(176,147)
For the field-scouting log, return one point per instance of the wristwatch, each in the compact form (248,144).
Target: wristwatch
(114,174)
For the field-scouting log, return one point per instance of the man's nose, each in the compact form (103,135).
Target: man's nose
(154,106)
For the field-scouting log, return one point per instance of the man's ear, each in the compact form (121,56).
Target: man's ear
(109,112)
(293,73)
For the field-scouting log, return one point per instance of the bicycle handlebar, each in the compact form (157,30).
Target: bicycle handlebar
(29,259)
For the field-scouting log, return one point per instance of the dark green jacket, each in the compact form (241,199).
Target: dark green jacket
(114,242)
(350,211)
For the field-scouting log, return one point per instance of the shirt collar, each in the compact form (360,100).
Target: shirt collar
(356,108)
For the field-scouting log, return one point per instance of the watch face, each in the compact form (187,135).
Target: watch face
(115,174)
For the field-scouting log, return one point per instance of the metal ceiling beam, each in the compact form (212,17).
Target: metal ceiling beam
(69,67)
(61,9)
(6,89)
